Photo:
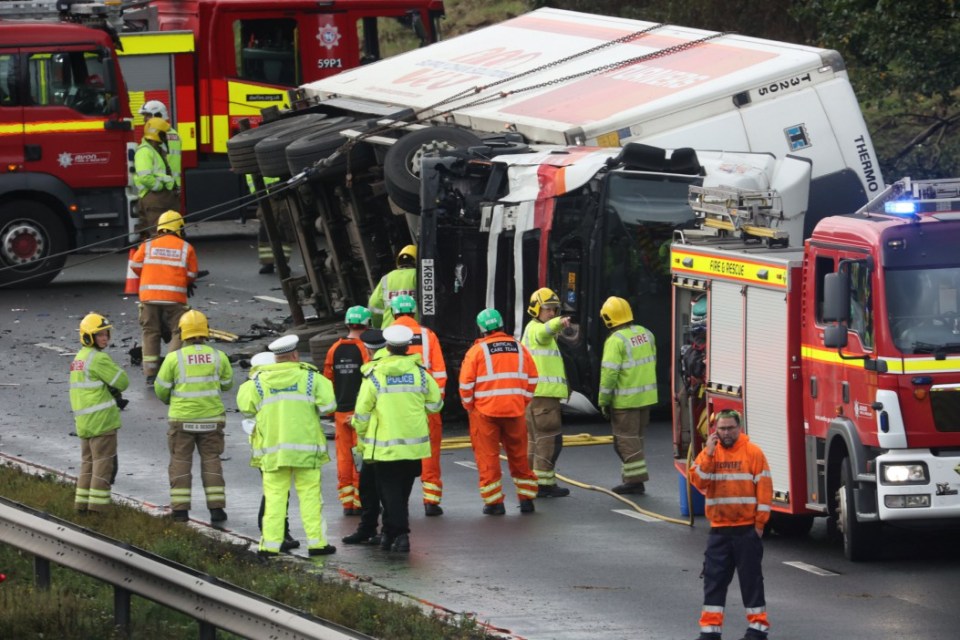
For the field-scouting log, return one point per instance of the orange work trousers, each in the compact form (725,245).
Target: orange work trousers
(348,478)
(430,476)
(486,434)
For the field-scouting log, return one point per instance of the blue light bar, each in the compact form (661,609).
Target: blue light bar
(900,207)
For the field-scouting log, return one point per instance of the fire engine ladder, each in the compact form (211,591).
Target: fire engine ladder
(741,212)
(81,11)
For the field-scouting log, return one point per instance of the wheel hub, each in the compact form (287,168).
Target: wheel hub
(22,243)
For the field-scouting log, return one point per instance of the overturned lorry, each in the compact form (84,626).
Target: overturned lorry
(516,163)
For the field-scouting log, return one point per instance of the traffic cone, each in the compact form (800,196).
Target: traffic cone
(132,287)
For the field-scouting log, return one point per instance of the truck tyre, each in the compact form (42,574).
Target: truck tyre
(790,526)
(318,146)
(859,538)
(401,166)
(271,151)
(32,244)
(240,148)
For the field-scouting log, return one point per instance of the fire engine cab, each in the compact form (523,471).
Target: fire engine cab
(843,356)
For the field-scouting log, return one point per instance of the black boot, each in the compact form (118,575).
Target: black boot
(217,515)
(359,537)
(552,491)
(494,509)
(401,544)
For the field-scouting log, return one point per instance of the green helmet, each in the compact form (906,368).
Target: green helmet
(403,304)
(358,315)
(489,320)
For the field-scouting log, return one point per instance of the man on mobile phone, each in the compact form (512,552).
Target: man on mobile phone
(735,479)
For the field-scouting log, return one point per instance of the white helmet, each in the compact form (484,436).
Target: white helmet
(155,109)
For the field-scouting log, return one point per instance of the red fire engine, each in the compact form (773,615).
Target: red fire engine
(843,356)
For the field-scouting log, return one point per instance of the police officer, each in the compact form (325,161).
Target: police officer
(286,400)
(497,381)
(544,434)
(400,281)
(167,266)
(342,367)
(391,420)
(95,385)
(628,388)
(191,380)
(156,184)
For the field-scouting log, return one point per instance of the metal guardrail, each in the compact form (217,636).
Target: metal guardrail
(215,604)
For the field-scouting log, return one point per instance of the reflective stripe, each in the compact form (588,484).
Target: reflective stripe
(281,397)
(552,379)
(95,408)
(164,383)
(725,476)
(433,407)
(309,448)
(545,352)
(506,391)
(466,386)
(86,385)
(736,500)
(397,441)
(195,394)
(163,287)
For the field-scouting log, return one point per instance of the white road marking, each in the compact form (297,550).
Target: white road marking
(54,347)
(634,514)
(467,464)
(809,568)
(270,299)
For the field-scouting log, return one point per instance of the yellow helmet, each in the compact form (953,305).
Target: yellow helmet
(170,221)
(193,324)
(407,255)
(153,127)
(540,298)
(615,312)
(92,324)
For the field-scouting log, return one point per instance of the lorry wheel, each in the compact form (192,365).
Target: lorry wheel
(307,151)
(401,166)
(240,148)
(271,151)
(32,244)
(859,538)
(790,526)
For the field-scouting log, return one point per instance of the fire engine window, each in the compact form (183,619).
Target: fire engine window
(266,51)
(822,267)
(382,37)
(9,90)
(922,308)
(79,80)
(861,303)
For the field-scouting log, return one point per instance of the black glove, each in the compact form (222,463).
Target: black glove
(165,334)
(118,398)
(191,289)
(202,273)
(605,412)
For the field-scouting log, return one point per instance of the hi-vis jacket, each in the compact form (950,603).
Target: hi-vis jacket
(736,483)
(94,409)
(166,265)
(541,339)
(498,376)
(152,172)
(391,413)
(397,282)
(190,381)
(287,399)
(628,373)
(427,345)
(175,155)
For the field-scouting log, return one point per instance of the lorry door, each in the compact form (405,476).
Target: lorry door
(71,95)
(11,111)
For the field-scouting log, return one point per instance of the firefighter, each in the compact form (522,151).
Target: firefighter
(342,368)
(693,370)
(735,479)
(191,380)
(366,532)
(96,382)
(171,139)
(400,281)
(167,267)
(628,388)
(497,381)
(282,215)
(286,399)
(544,434)
(427,346)
(157,187)
(395,398)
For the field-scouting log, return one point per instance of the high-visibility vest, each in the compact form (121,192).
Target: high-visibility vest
(174,155)
(628,372)
(498,376)
(391,413)
(286,399)
(397,282)
(541,339)
(94,408)
(191,379)
(166,265)
(736,482)
(151,171)
(426,344)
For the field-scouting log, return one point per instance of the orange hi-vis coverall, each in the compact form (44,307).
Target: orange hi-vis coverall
(738,490)
(426,344)
(342,368)
(497,380)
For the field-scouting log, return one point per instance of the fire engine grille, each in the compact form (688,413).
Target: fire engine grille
(946,409)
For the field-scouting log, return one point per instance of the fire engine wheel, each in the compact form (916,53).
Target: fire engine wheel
(271,151)
(859,538)
(305,152)
(30,235)
(240,148)
(401,166)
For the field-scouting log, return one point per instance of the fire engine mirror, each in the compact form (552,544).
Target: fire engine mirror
(835,336)
(878,365)
(836,297)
